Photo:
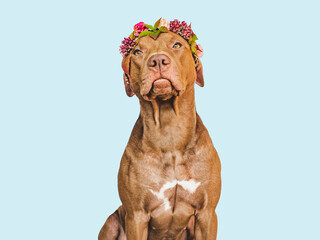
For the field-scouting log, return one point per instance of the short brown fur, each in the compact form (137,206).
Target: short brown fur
(168,142)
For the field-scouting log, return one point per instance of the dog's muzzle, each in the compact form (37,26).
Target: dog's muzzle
(162,81)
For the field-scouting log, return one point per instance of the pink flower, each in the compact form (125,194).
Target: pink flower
(199,50)
(138,25)
(126,46)
(164,23)
(138,28)
(181,28)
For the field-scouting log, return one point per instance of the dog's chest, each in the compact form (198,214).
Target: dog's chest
(174,192)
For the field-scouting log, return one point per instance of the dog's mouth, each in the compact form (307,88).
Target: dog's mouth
(162,89)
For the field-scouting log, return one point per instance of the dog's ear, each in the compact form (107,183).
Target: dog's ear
(126,75)
(199,70)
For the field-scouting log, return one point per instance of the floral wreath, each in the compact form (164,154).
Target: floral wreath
(161,26)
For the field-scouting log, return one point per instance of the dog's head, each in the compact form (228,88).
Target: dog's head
(161,68)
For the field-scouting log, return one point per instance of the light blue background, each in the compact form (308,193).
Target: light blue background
(65,119)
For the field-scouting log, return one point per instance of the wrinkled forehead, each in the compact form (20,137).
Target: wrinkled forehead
(162,41)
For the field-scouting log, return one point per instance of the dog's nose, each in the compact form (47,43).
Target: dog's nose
(159,62)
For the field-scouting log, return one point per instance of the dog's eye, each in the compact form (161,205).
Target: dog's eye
(177,45)
(137,52)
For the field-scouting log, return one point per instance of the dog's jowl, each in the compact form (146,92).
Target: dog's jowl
(169,178)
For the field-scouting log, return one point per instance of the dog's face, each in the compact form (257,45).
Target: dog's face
(160,68)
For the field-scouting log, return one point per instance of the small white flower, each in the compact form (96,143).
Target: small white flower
(164,23)
(199,50)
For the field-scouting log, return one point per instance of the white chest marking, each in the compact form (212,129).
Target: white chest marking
(190,186)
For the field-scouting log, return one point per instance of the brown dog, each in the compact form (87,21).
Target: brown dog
(169,178)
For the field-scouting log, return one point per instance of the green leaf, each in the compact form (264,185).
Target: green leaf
(193,49)
(156,25)
(163,29)
(149,26)
(192,45)
(194,37)
(155,35)
(190,40)
(144,33)
(132,36)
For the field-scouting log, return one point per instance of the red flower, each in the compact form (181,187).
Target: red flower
(138,28)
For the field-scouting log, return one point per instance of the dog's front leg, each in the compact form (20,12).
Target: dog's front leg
(137,225)
(206,225)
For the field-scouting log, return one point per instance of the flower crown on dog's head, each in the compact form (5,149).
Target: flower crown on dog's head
(161,26)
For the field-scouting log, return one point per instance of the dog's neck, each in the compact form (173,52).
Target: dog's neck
(169,124)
